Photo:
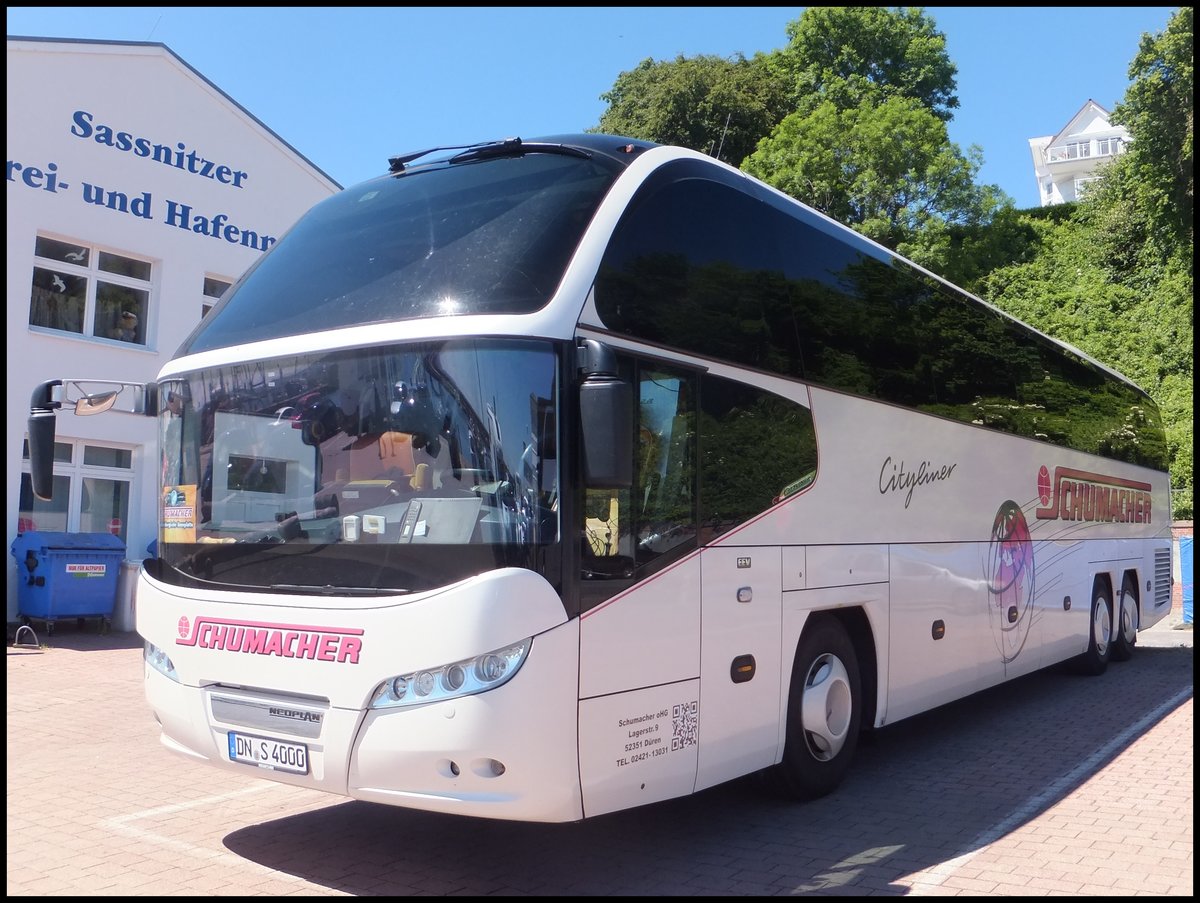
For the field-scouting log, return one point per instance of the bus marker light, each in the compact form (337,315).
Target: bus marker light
(742,669)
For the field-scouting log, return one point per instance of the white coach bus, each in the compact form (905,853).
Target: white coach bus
(539,480)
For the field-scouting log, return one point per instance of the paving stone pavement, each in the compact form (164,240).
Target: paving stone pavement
(1053,785)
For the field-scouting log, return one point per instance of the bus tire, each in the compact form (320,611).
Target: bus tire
(1094,661)
(1125,630)
(824,711)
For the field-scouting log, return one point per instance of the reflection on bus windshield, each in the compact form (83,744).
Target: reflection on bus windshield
(446,443)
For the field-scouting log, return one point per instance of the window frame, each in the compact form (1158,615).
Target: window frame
(70,462)
(210,300)
(93,276)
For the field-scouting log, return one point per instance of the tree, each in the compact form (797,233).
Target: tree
(848,54)
(850,117)
(1115,276)
(888,169)
(717,106)
(1158,111)
(866,142)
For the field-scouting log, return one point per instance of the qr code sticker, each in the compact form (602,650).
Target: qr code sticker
(684,718)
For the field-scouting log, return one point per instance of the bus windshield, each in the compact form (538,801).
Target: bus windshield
(390,469)
(491,236)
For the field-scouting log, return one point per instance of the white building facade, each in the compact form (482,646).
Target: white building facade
(1066,163)
(137,193)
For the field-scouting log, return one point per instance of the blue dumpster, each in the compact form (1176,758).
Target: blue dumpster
(67,575)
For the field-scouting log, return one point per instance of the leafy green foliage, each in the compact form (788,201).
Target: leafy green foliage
(1158,110)
(1115,276)
(846,55)
(887,169)
(717,106)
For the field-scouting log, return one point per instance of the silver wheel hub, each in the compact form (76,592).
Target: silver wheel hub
(1129,618)
(826,707)
(1101,627)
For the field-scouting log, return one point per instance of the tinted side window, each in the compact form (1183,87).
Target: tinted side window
(706,266)
(756,449)
(701,468)
(694,264)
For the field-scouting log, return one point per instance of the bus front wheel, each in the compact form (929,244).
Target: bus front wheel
(824,711)
(1127,620)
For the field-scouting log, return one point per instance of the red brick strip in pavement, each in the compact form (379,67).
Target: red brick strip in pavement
(1128,829)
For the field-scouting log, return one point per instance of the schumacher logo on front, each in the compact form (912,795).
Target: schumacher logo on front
(325,644)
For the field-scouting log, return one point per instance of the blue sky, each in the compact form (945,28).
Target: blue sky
(350,86)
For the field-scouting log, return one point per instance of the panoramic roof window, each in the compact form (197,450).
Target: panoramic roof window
(488,236)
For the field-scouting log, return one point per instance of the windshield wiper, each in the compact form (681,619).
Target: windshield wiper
(329,590)
(508,147)
(515,147)
(397,164)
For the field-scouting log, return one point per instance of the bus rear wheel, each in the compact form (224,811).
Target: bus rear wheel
(824,711)
(1094,661)
(1127,618)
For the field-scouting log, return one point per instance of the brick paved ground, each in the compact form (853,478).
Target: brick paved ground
(1051,785)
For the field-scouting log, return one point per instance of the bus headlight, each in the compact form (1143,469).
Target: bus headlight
(463,678)
(158,660)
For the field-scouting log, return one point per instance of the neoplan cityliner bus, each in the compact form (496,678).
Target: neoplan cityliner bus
(539,480)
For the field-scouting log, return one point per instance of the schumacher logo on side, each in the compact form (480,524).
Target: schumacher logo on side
(1080,495)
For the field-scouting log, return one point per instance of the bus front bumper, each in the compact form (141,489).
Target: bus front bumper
(510,753)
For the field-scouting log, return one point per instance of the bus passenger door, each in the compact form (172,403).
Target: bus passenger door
(740,661)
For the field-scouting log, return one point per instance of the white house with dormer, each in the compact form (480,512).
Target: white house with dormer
(1066,163)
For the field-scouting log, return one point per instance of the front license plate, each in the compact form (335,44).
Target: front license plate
(265,753)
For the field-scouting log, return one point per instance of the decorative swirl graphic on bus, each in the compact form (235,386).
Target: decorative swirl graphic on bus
(1009,570)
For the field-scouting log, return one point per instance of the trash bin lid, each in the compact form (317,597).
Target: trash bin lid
(47,540)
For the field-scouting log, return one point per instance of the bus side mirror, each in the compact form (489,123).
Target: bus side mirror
(606,420)
(42,413)
(76,395)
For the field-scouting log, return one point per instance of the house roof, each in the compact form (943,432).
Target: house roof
(156,45)
(1066,129)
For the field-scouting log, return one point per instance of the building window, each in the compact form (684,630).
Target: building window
(91,491)
(214,288)
(82,289)
(1108,146)
(1081,185)
(1076,150)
